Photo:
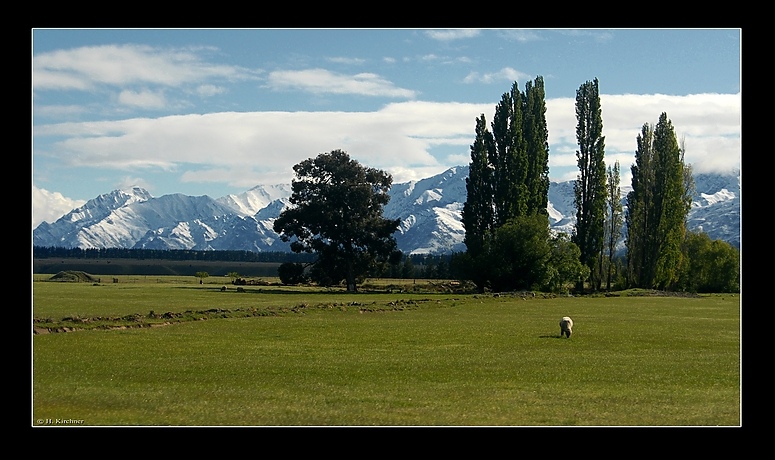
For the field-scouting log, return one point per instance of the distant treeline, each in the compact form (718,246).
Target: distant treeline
(39,252)
(411,266)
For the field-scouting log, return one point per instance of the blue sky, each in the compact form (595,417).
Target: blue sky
(219,111)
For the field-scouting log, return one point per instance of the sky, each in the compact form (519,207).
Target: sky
(219,111)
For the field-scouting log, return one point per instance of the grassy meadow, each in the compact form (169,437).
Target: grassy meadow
(403,355)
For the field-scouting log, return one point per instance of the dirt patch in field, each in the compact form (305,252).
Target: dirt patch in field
(656,293)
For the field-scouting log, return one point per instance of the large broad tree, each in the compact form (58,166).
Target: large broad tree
(590,186)
(657,207)
(336,212)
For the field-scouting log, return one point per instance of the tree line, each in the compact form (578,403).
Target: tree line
(420,266)
(45,252)
(507,239)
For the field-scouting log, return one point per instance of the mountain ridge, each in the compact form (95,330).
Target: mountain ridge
(429,211)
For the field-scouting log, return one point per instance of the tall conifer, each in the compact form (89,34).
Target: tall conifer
(638,215)
(614,219)
(590,186)
(657,208)
(510,158)
(478,210)
(508,177)
(537,140)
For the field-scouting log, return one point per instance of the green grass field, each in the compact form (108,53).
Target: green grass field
(383,359)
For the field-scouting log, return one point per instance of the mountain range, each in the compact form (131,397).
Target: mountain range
(429,211)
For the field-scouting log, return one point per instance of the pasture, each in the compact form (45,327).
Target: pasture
(400,356)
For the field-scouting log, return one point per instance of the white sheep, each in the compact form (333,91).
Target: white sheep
(566,326)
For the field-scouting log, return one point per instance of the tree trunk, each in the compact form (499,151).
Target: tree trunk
(350,277)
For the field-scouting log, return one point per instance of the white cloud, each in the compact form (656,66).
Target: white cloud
(435,58)
(142,99)
(430,58)
(323,81)
(506,74)
(346,60)
(135,76)
(598,35)
(520,35)
(210,90)
(409,139)
(126,182)
(258,143)
(531,35)
(710,124)
(451,34)
(87,68)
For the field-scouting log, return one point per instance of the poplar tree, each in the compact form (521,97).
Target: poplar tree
(674,202)
(478,216)
(508,180)
(510,161)
(614,218)
(520,159)
(537,140)
(657,207)
(478,210)
(590,186)
(640,232)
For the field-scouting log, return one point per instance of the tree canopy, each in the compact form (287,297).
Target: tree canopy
(709,265)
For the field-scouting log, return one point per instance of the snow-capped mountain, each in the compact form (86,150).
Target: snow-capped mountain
(429,211)
(716,207)
(173,221)
(74,228)
(562,211)
(256,199)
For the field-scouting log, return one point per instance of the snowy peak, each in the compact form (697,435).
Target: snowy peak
(98,207)
(713,189)
(716,206)
(718,197)
(254,200)
(178,207)
(72,229)
(174,221)
(430,213)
